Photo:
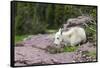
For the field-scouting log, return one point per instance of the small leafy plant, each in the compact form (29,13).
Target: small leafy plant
(70,48)
(19,38)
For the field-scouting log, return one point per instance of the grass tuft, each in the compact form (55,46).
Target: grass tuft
(92,54)
(70,48)
(19,38)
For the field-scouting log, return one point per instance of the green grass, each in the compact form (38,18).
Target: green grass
(65,49)
(92,54)
(70,48)
(19,38)
(51,31)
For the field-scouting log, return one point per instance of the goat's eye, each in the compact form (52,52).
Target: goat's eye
(57,38)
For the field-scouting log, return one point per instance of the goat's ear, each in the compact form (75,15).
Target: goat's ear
(60,30)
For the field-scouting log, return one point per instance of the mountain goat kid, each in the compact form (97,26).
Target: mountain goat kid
(74,36)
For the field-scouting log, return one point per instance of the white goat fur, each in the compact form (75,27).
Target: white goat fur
(73,36)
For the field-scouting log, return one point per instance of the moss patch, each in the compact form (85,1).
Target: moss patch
(19,38)
(70,48)
(92,54)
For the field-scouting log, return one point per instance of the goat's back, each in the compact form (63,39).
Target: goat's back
(75,35)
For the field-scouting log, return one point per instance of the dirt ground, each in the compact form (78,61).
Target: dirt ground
(33,51)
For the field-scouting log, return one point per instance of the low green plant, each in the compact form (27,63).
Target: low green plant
(70,48)
(51,31)
(92,54)
(19,38)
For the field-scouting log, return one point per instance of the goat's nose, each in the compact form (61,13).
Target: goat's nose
(55,44)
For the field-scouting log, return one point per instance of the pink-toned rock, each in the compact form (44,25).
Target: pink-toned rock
(31,56)
(40,41)
(35,52)
(87,47)
(63,57)
(20,64)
